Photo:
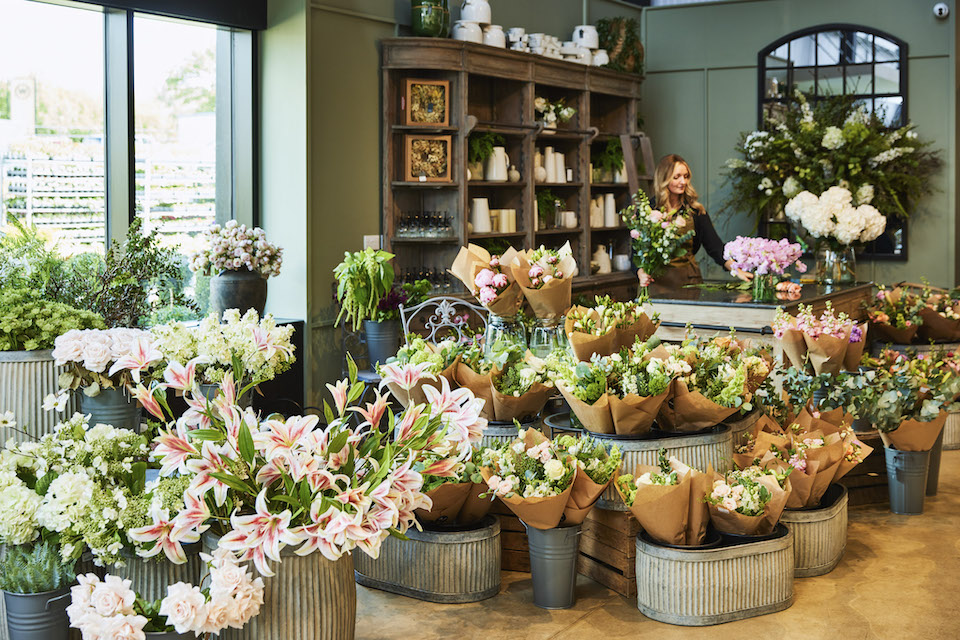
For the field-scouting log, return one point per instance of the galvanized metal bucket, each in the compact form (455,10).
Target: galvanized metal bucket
(243,290)
(951,431)
(819,534)
(453,566)
(711,586)
(37,616)
(111,406)
(150,577)
(383,340)
(499,432)
(26,378)
(933,475)
(907,480)
(741,426)
(553,565)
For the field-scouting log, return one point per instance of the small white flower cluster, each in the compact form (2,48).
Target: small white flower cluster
(791,187)
(832,138)
(889,155)
(234,247)
(18,510)
(833,215)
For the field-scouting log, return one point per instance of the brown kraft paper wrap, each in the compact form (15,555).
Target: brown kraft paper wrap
(794,348)
(480,386)
(765,440)
(826,353)
(642,327)
(691,410)
(828,460)
(887,333)
(634,415)
(474,507)
(594,417)
(584,345)
(507,408)
(552,300)
(448,500)
(416,395)
(851,359)
(809,423)
(662,511)
(584,495)
(699,515)
(471,260)
(913,435)
(801,482)
(760,525)
(743,460)
(845,465)
(936,327)
(766,424)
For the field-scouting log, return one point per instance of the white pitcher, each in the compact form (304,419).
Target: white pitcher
(468,31)
(586,35)
(495,169)
(480,216)
(602,258)
(476,11)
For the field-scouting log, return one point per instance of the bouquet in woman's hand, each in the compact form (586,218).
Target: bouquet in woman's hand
(597,468)
(667,500)
(546,276)
(748,502)
(895,315)
(489,279)
(532,477)
(657,237)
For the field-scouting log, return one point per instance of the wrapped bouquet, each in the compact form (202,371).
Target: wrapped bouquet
(453,487)
(608,327)
(748,502)
(828,342)
(667,500)
(532,477)
(546,277)
(895,315)
(597,468)
(657,237)
(489,278)
(940,316)
(520,386)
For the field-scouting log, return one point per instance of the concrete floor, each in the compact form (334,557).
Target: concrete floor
(899,579)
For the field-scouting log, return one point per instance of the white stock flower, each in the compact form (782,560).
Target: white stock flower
(864,194)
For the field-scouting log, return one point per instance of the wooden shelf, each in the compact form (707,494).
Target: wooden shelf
(402,240)
(622,227)
(487,183)
(404,128)
(609,185)
(558,232)
(425,185)
(505,129)
(560,135)
(487,236)
(559,185)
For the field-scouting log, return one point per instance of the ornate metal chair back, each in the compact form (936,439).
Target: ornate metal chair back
(443,317)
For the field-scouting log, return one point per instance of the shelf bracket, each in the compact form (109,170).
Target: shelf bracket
(470,125)
(593,132)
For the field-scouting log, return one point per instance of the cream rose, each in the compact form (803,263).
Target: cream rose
(554,469)
(96,356)
(122,627)
(226,579)
(247,602)
(184,607)
(113,597)
(221,613)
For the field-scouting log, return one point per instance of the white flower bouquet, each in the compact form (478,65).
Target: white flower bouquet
(234,247)
(97,359)
(748,502)
(596,468)
(832,217)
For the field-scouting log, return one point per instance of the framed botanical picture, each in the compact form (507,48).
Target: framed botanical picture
(426,158)
(427,103)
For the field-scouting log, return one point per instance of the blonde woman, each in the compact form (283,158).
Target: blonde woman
(675,194)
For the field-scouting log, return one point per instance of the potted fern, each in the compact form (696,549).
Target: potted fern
(480,147)
(36,591)
(364,279)
(608,162)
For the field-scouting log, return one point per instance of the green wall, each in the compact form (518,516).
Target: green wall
(701,91)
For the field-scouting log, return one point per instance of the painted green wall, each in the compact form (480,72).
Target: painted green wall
(701,91)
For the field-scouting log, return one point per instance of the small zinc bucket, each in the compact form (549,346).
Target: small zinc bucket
(111,406)
(907,479)
(553,565)
(38,616)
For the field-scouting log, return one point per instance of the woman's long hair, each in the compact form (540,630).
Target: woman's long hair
(661,179)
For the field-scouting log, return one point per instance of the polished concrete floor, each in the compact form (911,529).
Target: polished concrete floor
(899,579)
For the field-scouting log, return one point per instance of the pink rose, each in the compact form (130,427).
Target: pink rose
(634,234)
(656,216)
(665,225)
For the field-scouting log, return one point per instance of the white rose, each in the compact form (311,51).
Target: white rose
(121,628)
(221,614)
(248,601)
(184,607)
(113,597)
(226,579)
(96,356)
(68,347)
(554,469)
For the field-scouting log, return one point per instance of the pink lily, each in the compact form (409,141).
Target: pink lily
(375,411)
(339,393)
(316,535)
(181,377)
(211,461)
(194,514)
(270,473)
(166,534)
(407,423)
(405,376)
(228,393)
(446,468)
(263,340)
(174,448)
(279,439)
(196,413)
(145,397)
(262,534)
(354,497)
(321,480)
(142,355)
(443,399)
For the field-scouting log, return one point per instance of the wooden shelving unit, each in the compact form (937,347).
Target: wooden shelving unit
(493,90)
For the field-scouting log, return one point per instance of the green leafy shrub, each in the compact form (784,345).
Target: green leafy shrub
(36,570)
(364,278)
(481,146)
(28,322)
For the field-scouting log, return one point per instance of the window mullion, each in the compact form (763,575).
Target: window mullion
(119,146)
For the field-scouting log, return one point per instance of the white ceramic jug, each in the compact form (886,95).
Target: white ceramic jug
(476,11)
(468,31)
(609,211)
(586,35)
(495,169)
(602,259)
(494,36)
(480,216)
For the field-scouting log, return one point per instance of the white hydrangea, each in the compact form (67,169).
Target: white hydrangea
(857,116)
(874,223)
(67,501)
(18,514)
(850,223)
(791,187)
(865,194)
(832,138)
(798,204)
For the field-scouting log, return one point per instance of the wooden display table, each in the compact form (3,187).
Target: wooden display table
(710,312)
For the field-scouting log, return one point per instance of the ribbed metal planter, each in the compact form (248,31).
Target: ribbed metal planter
(111,406)
(712,586)
(714,447)
(26,378)
(951,431)
(168,635)
(437,566)
(741,427)
(909,349)
(309,597)
(150,577)
(819,535)
(496,433)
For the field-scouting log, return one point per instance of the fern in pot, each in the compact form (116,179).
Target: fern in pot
(36,581)
(608,162)
(364,280)
(480,147)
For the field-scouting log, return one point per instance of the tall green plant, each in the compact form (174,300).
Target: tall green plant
(35,570)
(481,145)
(363,279)
(609,157)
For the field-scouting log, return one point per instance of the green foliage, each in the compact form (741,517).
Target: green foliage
(28,322)
(546,206)
(480,145)
(363,279)
(620,37)
(192,87)
(36,570)
(609,157)
(4,100)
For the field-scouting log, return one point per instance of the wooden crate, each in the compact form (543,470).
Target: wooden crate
(514,549)
(867,482)
(608,550)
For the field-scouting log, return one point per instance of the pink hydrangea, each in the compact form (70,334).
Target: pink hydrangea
(634,234)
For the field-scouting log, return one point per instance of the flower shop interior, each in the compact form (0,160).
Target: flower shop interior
(349,319)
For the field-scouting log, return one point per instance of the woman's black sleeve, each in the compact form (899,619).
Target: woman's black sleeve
(708,237)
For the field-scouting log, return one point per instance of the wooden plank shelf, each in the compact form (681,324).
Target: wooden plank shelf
(559,185)
(425,185)
(558,232)
(487,183)
(450,240)
(405,128)
(484,236)
(609,185)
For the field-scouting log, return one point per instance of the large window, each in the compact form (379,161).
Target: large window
(52,121)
